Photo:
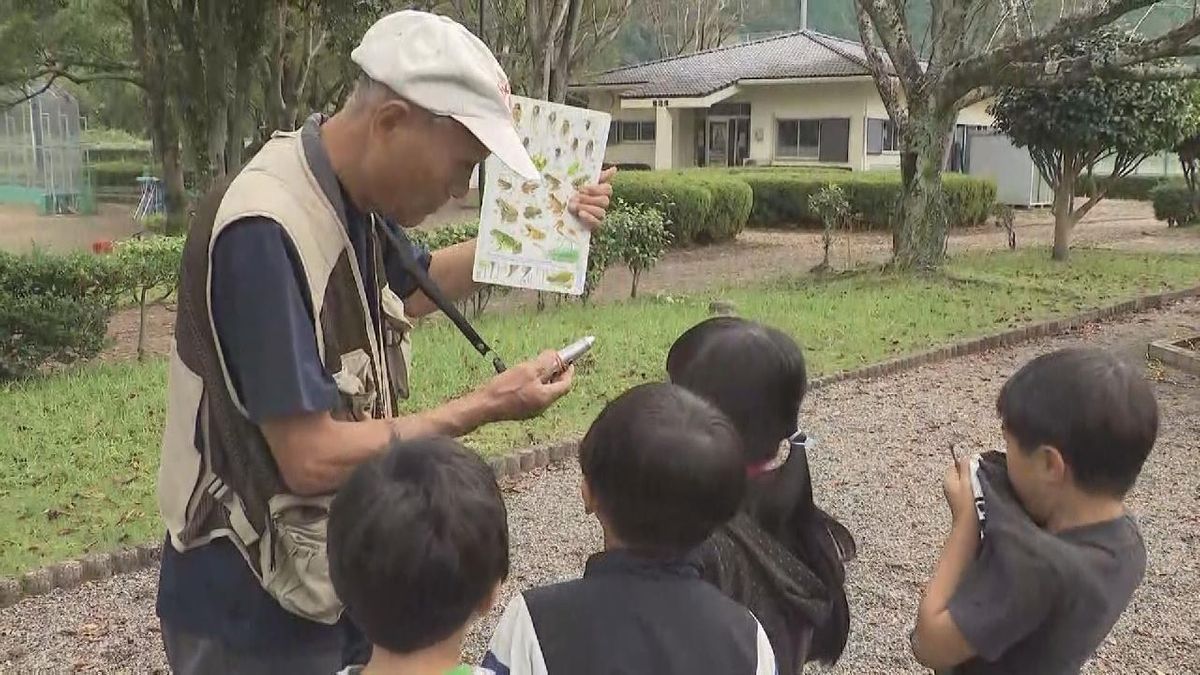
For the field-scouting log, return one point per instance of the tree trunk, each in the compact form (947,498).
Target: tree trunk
(141,343)
(1064,216)
(919,233)
(172,165)
(633,287)
(151,49)
(560,74)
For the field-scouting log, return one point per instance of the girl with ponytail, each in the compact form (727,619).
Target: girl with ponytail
(781,556)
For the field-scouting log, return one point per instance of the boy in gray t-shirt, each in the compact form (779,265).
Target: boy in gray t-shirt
(1034,581)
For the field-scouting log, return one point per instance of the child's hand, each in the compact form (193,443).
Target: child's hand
(956,485)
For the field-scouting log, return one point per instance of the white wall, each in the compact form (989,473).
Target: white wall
(625,153)
(976,115)
(771,102)
(856,100)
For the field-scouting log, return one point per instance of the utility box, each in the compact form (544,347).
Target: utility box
(1018,182)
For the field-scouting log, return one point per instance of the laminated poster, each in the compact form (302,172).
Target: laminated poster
(527,238)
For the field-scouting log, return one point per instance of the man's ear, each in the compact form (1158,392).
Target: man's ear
(1051,464)
(392,114)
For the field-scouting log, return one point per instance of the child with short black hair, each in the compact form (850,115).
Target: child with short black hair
(418,547)
(781,556)
(1059,557)
(661,470)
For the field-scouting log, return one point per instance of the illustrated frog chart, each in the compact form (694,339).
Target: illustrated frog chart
(527,237)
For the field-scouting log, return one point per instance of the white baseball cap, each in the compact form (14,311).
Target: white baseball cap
(436,63)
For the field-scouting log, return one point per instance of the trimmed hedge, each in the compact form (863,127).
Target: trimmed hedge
(781,197)
(1174,204)
(119,173)
(1136,188)
(702,207)
(53,309)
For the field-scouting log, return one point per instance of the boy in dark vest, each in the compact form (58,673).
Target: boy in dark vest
(661,470)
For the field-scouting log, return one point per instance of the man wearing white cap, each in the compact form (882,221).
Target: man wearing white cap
(291,345)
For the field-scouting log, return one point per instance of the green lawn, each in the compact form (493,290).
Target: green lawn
(78,451)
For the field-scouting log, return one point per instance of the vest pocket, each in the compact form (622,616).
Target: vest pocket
(356,384)
(397,342)
(299,575)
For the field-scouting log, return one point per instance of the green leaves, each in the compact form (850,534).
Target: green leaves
(831,206)
(447,235)
(1080,123)
(148,263)
(55,308)
(700,206)
(1174,204)
(782,196)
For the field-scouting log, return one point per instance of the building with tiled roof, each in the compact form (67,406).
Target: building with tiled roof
(800,98)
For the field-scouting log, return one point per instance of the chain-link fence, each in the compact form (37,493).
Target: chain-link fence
(42,158)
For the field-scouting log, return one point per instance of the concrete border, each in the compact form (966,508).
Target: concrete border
(1170,353)
(97,566)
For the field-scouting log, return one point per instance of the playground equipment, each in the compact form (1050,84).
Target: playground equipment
(153,200)
(42,157)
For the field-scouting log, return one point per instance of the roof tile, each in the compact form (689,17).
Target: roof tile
(791,55)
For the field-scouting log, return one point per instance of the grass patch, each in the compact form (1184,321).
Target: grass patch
(78,462)
(79,451)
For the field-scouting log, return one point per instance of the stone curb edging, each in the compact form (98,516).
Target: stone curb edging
(97,566)
(72,573)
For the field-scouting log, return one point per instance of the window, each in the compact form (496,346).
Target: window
(631,132)
(798,138)
(882,137)
(825,140)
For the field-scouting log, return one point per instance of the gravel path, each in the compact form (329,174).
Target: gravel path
(881,453)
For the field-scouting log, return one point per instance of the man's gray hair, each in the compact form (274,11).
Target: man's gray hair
(369,93)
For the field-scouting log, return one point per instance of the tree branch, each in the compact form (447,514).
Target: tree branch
(879,71)
(1035,75)
(888,21)
(975,96)
(52,75)
(1034,48)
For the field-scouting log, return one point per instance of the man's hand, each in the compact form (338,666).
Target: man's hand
(956,486)
(591,202)
(527,389)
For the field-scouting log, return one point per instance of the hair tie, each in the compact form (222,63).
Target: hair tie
(797,439)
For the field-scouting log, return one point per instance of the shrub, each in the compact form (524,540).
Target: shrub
(781,197)
(1174,204)
(604,250)
(830,204)
(149,267)
(1136,188)
(701,206)
(732,201)
(640,235)
(53,309)
(118,173)
(449,235)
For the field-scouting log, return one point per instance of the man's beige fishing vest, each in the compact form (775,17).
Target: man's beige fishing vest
(218,477)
